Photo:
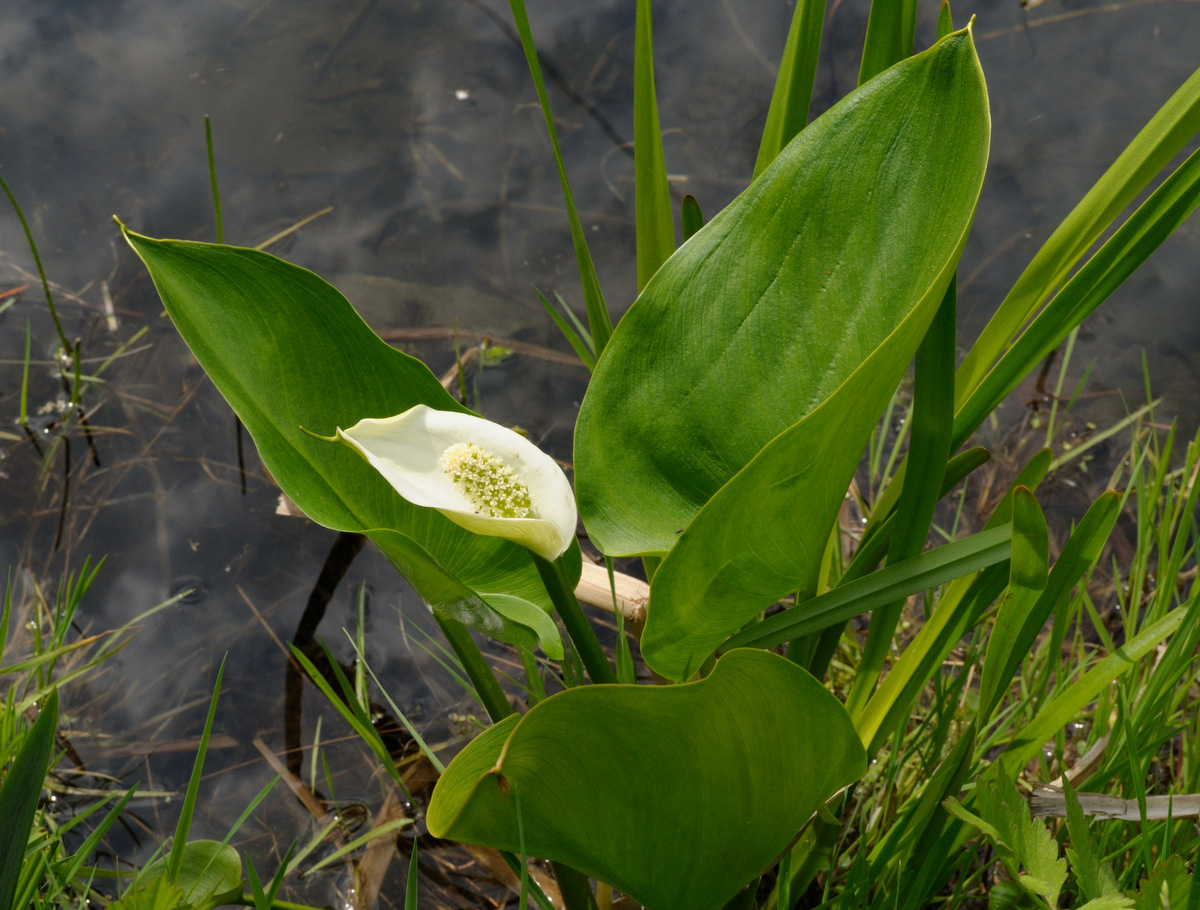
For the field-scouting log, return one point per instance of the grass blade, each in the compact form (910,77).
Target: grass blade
(691,216)
(1075,698)
(599,321)
(1157,143)
(179,842)
(932,422)
(410,886)
(1127,249)
(891,30)
(577,341)
(1026,584)
(655,229)
(1073,566)
(20,793)
(897,581)
(790,101)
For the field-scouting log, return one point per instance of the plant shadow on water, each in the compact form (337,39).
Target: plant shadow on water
(413,123)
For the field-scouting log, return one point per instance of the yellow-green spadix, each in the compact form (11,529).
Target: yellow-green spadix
(480,475)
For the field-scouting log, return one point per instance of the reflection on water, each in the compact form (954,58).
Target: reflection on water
(415,122)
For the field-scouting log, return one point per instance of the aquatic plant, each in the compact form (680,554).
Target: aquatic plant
(845,246)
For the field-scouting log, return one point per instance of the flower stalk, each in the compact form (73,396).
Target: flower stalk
(583,636)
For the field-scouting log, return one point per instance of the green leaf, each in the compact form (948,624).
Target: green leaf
(796,279)
(1157,143)
(1116,260)
(183,825)
(891,28)
(1096,878)
(792,97)
(879,588)
(676,795)
(209,875)
(691,217)
(1026,582)
(288,351)
(1029,840)
(932,419)
(599,321)
(156,894)
(655,229)
(1168,888)
(957,610)
(1074,698)
(19,795)
(771,286)
(1019,622)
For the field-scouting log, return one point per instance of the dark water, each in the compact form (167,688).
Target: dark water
(415,121)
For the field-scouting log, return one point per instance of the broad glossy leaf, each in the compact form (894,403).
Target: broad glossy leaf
(676,795)
(288,351)
(732,407)
(830,265)
(209,870)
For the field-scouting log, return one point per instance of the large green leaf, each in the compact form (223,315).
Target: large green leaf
(676,795)
(732,406)
(288,351)
(830,265)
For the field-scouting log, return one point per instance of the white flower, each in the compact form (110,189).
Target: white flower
(478,474)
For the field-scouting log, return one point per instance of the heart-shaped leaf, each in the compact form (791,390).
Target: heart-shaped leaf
(287,350)
(676,795)
(731,406)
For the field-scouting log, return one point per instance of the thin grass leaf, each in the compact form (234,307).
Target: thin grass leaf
(599,321)
(352,712)
(1107,433)
(212,177)
(932,419)
(891,30)
(410,886)
(429,754)
(792,97)
(19,795)
(691,216)
(361,841)
(1073,700)
(655,229)
(945,23)
(1153,147)
(179,842)
(1136,239)
(569,333)
(1026,584)
(1013,635)
(904,578)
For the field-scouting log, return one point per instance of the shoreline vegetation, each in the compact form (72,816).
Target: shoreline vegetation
(841,657)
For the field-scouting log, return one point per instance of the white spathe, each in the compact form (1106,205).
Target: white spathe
(409,449)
